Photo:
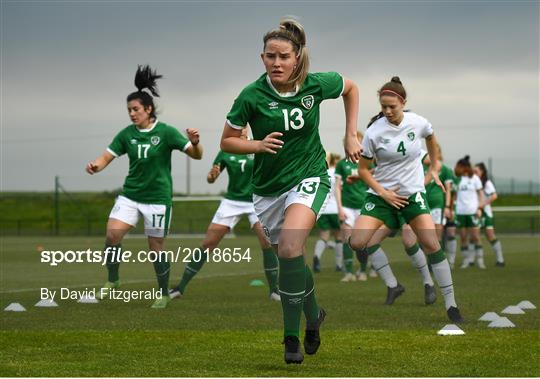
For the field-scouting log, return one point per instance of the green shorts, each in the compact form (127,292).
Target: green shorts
(486,221)
(467,221)
(376,207)
(328,222)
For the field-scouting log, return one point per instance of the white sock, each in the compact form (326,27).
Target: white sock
(451,247)
(443,276)
(379,261)
(320,245)
(420,262)
(479,254)
(497,248)
(339,254)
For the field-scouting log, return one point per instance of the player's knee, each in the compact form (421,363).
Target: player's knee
(113,237)
(358,243)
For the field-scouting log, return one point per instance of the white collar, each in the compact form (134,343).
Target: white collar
(286,94)
(149,129)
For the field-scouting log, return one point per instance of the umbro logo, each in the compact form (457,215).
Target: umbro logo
(273,105)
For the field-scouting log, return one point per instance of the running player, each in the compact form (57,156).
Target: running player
(397,186)
(350,195)
(469,204)
(147,190)
(237,203)
(490,195)
(328,222)
(290,179)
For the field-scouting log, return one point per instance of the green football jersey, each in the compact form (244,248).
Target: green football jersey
(240,170)
(149,178)
(433,191)
(352,195)
(296,115)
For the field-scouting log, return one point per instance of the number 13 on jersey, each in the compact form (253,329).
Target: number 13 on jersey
(294,120)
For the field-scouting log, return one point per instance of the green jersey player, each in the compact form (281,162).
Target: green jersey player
(147,190)
(397,188)
(350,197)
(290,181)
(237,203)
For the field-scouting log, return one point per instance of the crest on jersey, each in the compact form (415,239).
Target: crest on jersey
(410,136)
(273,105)
(308,101)
(369,206)
(154,140)
(133,141)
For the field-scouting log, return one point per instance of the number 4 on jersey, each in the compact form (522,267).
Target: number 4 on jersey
(401,148)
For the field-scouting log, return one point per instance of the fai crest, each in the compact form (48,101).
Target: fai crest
(308,101)
(155,140)
(369,206)
(410,136)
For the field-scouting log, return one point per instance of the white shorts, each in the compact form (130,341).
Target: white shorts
(437,216)
(351,215)
(231,211)
(311,192)
(157,217)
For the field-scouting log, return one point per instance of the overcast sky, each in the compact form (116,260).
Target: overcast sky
(471,68)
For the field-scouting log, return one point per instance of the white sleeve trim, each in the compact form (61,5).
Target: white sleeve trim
(237,127)
(187,145)
(343,87)
(112,152)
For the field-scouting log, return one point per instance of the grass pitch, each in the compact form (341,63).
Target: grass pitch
(224,327)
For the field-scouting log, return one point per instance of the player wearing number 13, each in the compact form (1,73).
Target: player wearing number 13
(147,190)
(393,140)
(290,181)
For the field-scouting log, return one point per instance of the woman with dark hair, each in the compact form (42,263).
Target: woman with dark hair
(469,204)
(329,221)
(147,189)
(490,195)
(394,141)
(290,180)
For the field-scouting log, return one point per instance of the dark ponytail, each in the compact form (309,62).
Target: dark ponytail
(465,163)
(394,88)
(484,174)
(145,78)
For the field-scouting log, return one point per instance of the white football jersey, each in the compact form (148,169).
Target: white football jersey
(331,204)
(467,197)
(397,151)
(489,189)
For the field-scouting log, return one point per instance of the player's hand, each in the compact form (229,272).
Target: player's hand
(270,144)
(395,200)
(92,168)
(341,215)
(448,213)
(435,175)
(351,179)
(353,149)
(479,213)
(193,136)
(213,174)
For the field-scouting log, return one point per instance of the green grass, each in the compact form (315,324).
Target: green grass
(224,327)
(85,213)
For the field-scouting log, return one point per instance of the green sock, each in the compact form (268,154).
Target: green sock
(270,261)
(412,250)
(292,288)
(113,261)
(162,269)
(348,257)
(192,268)
(311,309)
